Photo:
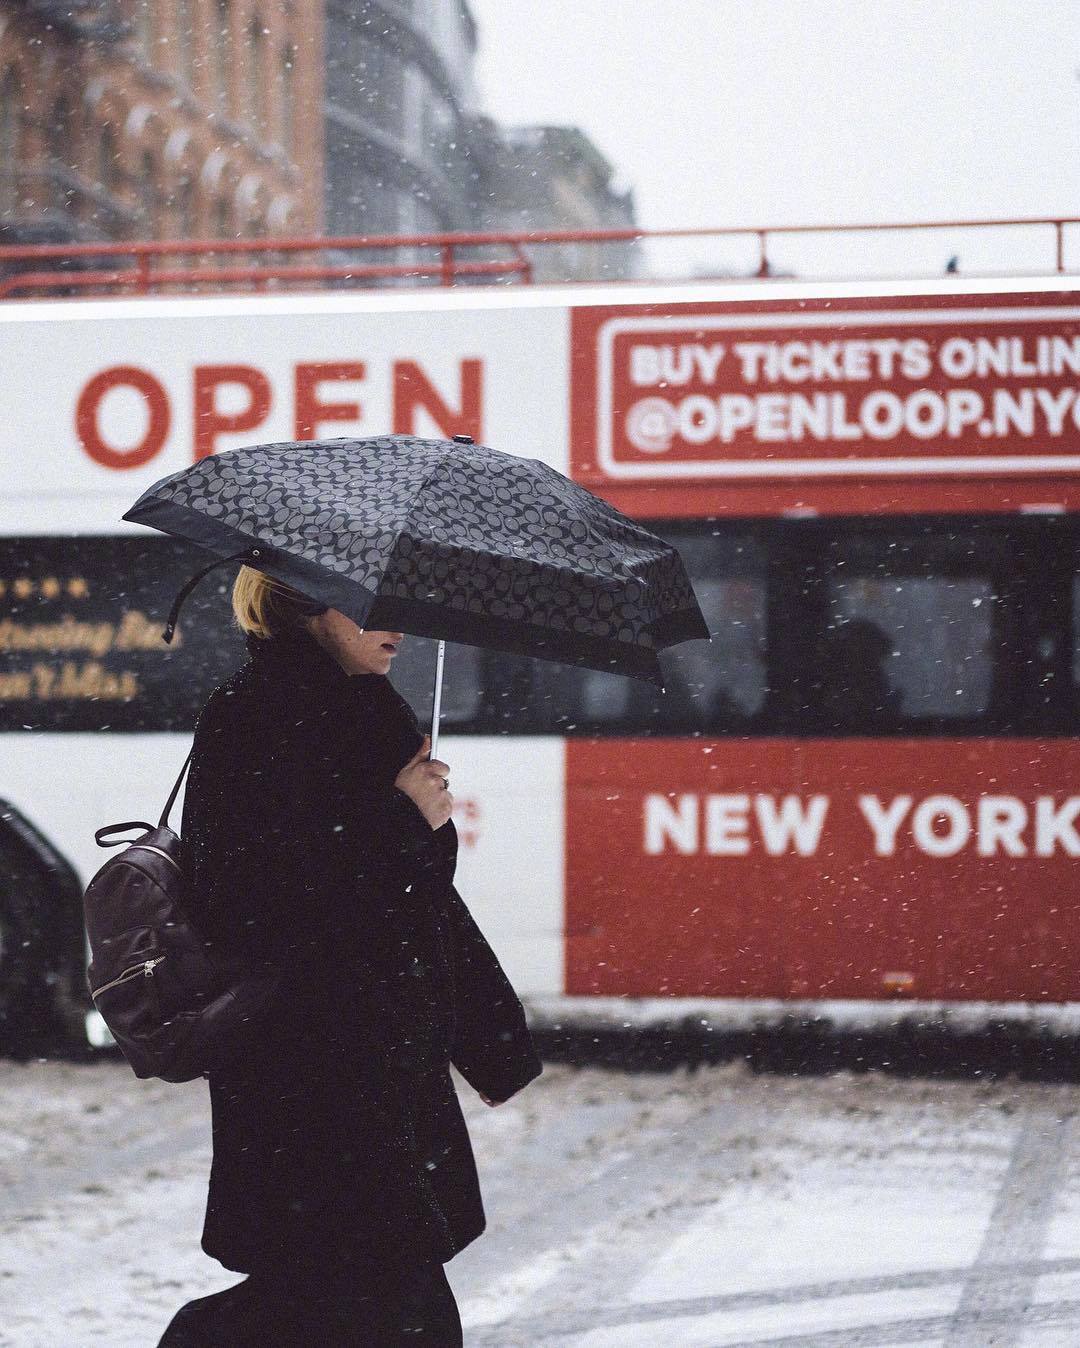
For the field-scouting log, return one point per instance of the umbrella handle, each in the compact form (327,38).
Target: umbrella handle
(436,706)
(174,612)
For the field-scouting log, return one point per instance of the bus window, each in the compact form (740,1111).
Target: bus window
(722,682)
(709,686)
(909,636)
(80,634)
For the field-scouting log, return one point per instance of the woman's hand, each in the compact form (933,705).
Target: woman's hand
(424,781)
(493,1103)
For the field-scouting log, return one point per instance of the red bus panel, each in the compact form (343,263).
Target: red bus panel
(847,868)
(861,405)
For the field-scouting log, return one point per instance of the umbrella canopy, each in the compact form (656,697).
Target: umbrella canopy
(440,538)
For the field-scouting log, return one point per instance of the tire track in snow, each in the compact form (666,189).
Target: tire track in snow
(102,1165)
(902,1333)
(992,1291)
(539,1329)
(1017,1232)
(645,1185)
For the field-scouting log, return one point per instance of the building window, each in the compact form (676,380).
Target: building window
(148,195)
(288,95)
(107,165)
(223,48)
(222,226)
(185,208)
(146,27)
(187,40)
(366,75)
(12,123)
(60,131)
(256,82)
(60,134)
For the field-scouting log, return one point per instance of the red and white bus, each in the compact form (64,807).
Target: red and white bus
(862,791)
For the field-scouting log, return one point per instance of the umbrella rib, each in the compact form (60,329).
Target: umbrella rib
(404,523)
(559,566)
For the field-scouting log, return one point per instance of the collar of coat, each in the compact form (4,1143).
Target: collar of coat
(294,661)
(297,656)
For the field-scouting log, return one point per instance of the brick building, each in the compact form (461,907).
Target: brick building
(144,119)
(182,119)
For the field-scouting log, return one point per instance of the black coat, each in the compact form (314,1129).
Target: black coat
(338,1133)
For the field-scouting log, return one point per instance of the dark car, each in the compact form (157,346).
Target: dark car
(44,1001)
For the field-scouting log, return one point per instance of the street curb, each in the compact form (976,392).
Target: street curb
(984,1041)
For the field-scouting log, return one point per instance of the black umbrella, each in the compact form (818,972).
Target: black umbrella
(440,538)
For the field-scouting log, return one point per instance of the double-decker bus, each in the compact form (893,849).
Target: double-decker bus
(860,792)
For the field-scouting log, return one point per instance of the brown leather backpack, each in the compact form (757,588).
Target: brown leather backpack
(173,1010)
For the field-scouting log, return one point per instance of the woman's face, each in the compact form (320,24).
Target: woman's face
(356,649)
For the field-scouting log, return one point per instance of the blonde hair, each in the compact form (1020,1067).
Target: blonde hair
(263,606)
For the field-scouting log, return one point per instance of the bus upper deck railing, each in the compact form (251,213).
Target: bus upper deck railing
(444,259)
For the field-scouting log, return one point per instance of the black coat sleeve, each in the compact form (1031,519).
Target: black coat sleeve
(492,1049)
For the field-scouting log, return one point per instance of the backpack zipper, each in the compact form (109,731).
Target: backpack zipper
(145,967)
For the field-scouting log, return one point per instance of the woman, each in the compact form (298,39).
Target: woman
(318,842)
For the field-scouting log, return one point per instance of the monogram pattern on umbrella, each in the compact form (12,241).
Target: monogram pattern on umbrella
(462,527)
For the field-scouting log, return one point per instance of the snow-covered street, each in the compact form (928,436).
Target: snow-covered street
(713,1207)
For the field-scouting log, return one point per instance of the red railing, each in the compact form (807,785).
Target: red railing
(50,268)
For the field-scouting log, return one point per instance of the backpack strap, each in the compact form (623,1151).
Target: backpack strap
(103,834)
(163,822)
